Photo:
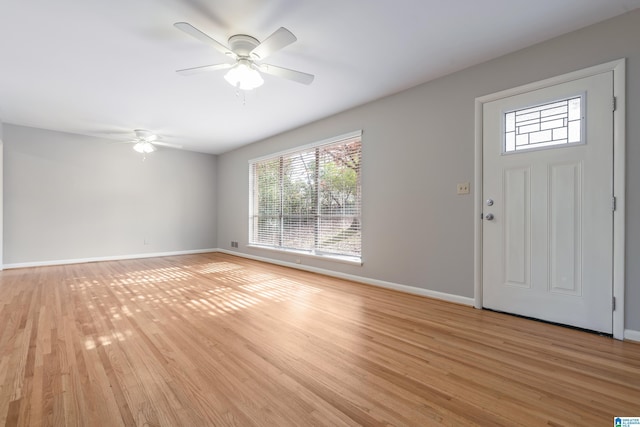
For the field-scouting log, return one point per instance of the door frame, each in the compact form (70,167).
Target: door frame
(619,161)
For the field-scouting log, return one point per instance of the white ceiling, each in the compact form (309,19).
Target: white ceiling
(104,68)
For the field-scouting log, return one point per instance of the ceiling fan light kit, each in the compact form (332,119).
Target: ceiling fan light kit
(144,147)
(244,76)
(247,51)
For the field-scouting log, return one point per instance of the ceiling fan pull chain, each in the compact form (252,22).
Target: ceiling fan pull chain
(241,93)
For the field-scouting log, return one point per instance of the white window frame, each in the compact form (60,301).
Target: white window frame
(349,259)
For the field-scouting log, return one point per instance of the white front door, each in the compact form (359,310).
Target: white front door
(547,189)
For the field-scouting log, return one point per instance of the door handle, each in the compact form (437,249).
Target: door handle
(489,217)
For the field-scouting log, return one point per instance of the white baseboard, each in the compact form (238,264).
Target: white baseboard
(106,258)
(631,335)
(381,283)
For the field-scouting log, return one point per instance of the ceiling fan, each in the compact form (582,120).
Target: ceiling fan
(247,52)
(145,142)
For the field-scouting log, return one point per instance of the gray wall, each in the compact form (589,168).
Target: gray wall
(1,191)
(418,144)
(73,197)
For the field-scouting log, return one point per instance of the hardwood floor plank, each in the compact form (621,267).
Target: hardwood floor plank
(212,339)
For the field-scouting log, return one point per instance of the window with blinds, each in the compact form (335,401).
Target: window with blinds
(309,199)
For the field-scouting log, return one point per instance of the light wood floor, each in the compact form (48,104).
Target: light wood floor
(219,340)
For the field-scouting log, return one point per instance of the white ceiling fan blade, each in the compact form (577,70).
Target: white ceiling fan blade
(296,76)
(167,144)
(276,41)
(194,32)
(203,68)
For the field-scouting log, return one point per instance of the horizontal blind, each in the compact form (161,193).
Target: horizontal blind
(309,200)
(266,202)
(339,198)
(298,186)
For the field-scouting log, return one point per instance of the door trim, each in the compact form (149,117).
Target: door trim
(619,145)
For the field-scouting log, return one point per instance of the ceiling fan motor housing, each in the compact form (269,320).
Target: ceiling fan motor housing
(143,134)
(242,45)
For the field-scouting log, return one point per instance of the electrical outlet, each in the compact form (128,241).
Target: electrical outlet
(463,187)
(234,244)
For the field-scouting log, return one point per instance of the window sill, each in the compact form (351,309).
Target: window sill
(337,258)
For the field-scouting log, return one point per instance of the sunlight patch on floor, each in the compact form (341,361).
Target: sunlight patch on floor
(217,267)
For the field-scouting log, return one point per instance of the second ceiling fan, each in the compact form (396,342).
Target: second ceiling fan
(145,142)
(247,52)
